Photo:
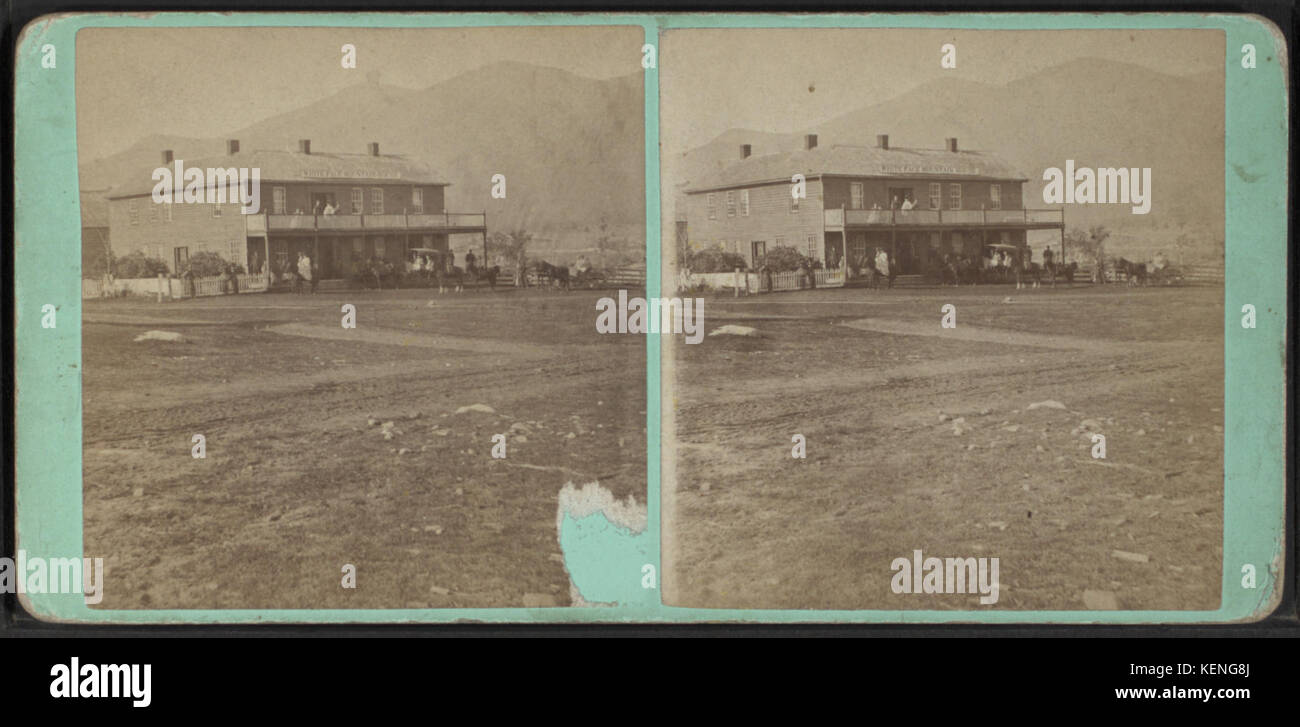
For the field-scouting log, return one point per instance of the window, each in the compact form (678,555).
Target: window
(936,195)
(759,249)
(794,204)
(812,246)
(780,240)
(995,196)
(153,213)
(744,203)
(133,212)
(731,204)
(713,206)
(180,258)
(417,200)
(376,201)
(216,210)
(358,201)
(855,195)
(277,200)
(954,196)
(379,247)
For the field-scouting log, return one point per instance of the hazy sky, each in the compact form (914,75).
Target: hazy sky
(757,78)
(203,82)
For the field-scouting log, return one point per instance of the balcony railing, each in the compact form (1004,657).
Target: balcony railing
(903,218)
(472,221)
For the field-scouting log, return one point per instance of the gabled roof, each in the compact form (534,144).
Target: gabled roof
(293,166)
(859,161)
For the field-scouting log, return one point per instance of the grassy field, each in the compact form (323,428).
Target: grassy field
(297,482)
(874,384)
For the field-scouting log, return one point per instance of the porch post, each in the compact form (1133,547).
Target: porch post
(893,244)
(266,238)
(485,252)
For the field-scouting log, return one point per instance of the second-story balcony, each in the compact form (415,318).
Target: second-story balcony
(839,219)
(443,222)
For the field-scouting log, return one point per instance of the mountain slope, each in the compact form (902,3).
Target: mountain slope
(1099,113)
(572,148)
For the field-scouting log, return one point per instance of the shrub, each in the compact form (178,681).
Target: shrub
(784,258)
(138,265)
(207,264)
(714,261)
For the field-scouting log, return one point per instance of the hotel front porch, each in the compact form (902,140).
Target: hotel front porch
(917,240)
(341,246)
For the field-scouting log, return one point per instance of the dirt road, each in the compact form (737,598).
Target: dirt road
(296,482)
(874,384)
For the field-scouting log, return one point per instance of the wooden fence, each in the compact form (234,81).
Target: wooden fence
(632,276)
(1211,274)
(168,287)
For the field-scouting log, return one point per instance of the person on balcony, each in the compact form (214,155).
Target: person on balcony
(874,217)
(330,208)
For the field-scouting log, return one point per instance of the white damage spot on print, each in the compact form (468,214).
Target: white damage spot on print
(578,503)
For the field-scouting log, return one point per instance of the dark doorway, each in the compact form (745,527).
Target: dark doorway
(321,200)
(897,195)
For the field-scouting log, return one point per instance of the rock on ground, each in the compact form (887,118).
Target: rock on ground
(1046,404)
(484,408)
(160,336)
(730,330)
(1100,600)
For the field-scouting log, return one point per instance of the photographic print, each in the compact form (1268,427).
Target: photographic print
(965,335)
(338,288)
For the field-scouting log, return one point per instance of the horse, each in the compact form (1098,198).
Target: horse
(968,270)
(1135,273)
(455,274)
(1066,271)
(490,275)
(1031,276)
(554,273)
(948,272)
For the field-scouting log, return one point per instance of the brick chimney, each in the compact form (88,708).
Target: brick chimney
(746,150)
(304,146)
(810,141)
(882,141)
(232,146)
(951,143)
(167,156)
(373,148)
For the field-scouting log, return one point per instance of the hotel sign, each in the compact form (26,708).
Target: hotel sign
(350,173)
(924,169)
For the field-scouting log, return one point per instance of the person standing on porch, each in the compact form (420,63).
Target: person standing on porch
(304,273)
(882,265)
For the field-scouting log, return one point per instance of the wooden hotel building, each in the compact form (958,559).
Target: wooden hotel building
(960,201)
(384,204)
